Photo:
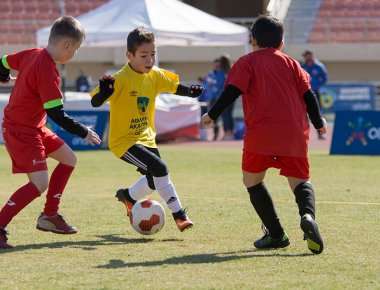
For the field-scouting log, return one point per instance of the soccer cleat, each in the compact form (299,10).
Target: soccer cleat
(311,234)
(123,196)
(182,220)
(55,224)
(268,242)
(4,240)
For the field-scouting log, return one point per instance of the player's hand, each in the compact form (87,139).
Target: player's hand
(92,137)
(323,130)
(206,121)
(196,91)
(106,85)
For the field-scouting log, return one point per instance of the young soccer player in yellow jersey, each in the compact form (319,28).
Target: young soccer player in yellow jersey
(131,93)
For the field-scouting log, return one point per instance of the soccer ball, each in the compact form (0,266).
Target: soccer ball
(148,217)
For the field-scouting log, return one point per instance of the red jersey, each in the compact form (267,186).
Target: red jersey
(37,83)
(272,86)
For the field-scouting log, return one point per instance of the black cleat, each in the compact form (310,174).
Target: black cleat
(123,196)
(311,233)
(268,242)
(4,240)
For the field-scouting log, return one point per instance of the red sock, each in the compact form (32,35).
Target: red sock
(20,199)
(57,184)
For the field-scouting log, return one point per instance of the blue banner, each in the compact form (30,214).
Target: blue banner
(347,97)
(96,120)
(356,133)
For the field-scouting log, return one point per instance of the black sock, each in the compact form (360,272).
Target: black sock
(263,204)
(305,198)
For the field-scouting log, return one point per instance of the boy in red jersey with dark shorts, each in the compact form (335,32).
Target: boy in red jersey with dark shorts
(277,99)
(36,94)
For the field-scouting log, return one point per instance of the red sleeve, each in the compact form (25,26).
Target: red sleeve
(302,79)
(14,60)
(48,82)
(240,75)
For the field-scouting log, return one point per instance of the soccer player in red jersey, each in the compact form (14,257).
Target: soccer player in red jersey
(277,100)
(29,142)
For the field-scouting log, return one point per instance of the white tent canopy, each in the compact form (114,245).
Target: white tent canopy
(173,22)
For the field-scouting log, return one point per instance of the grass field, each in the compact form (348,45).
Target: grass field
(217,253)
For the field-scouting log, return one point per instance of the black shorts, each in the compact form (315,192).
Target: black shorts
(147,160)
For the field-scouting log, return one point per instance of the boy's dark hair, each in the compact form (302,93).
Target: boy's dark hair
(225,63)
(267,31)
(66,26)
(137,37)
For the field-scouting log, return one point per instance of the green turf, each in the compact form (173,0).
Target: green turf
(217,253)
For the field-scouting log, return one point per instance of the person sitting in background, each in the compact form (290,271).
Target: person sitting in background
(82,83)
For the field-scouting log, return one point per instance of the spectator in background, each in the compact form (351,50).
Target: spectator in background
(213,84)
(318,75)
(82,83)
(227,115)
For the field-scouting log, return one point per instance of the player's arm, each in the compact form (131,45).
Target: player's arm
(313,110)
(4,70)
(228,96)
(106,89)
(194,91)
(54,109)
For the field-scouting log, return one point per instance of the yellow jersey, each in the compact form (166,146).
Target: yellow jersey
(132,106)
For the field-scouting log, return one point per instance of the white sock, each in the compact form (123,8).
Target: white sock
(140,189)
(167,191)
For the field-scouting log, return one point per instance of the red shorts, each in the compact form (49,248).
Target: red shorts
(29,148)
(297,167)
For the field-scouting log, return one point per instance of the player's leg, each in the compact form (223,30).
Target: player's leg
(274,234)
(297,172)
(305,198)
(24,150)
(143,187)
(50,220)
(20,199)
(148,160)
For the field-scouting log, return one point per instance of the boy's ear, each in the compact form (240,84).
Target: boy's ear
(281,45)
(129,54)
(253,42)
(67,43)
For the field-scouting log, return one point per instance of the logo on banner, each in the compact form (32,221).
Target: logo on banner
(142,104)
(327,100)
(359,128)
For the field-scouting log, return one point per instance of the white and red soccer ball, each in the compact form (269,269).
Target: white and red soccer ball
(148,217)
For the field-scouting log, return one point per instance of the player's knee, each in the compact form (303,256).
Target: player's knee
(250,182)
(41,184)
(159,169)
(70,160)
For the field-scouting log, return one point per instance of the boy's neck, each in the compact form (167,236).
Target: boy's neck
(136,71)
(50,49)
(257,48)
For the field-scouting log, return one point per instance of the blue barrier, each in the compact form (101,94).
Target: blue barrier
(347,97)
(356,132)
(96,120)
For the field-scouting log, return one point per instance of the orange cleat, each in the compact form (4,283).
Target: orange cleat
(182,220)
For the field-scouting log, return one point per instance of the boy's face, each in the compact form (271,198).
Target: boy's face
(144,57)
(66,48)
